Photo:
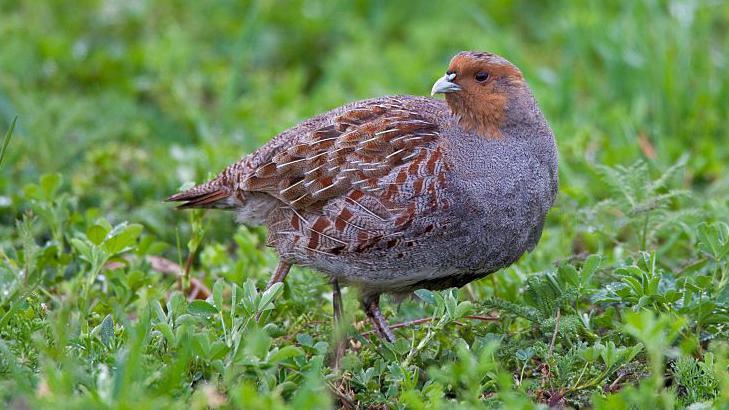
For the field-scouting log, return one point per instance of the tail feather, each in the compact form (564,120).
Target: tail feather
(202,196)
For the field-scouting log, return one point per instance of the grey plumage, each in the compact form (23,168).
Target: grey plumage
(397,193)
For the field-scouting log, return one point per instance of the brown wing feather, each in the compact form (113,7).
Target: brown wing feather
(200,197)
(359,148)
(354,184)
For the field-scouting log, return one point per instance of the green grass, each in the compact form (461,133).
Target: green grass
(624,303)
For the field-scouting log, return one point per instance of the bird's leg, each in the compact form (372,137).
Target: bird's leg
(371,306)
(338,316)
(282,269)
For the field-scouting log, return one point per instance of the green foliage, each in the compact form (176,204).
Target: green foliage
(641,205)
(695,380)
(623,304)
(6,140)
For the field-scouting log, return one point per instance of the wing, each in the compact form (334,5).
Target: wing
(355,183)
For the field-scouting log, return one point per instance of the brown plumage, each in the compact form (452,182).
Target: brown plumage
(396,193)
(369,164)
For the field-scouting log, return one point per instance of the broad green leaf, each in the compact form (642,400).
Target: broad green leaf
(652,288)
(176,304)
(201,344)
(248,298)
(609,355)
(703,282)
(50,183)
(631,352)
(439,303)
(591,354)
(120,239)
(568,274)
(201,308)
(257,343)
(268,296)
(714,239)
(635,285)
(217,350)
(463,309)
(671,296)
(723,297)
(305,339)
(83,248)
(450,304)
(166,331)
(524,354)
(218,293)
(591,265)
(106,330)
(387,352)
(157,308)
(321,347)
(96,234)
(426,296)
(284,353)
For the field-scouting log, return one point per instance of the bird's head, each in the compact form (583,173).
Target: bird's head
(479,88)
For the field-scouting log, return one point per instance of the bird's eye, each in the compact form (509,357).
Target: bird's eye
(481,76)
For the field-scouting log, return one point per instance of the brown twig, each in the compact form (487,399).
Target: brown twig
(556,399)
(196,290)
(613,386)
(184,275)
(348,401)
(646,146)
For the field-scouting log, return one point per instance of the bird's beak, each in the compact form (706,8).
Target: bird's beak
(445,84)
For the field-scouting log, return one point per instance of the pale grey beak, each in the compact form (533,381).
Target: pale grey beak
(445,85)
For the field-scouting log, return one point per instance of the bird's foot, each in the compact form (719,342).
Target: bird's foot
(371,306)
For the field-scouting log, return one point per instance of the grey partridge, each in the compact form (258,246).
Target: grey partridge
(398,193)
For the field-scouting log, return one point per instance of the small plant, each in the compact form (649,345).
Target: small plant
(695,380)
(641,208)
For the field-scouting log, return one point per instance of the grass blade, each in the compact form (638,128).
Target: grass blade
(6,140)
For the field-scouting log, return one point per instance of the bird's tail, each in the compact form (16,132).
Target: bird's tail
(208,195)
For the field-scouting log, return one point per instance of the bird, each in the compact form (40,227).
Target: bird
(398,193)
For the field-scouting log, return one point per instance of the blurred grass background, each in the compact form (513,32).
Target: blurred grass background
(128,100)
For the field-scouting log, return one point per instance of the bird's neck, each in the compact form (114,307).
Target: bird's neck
(498,115)
(482,117)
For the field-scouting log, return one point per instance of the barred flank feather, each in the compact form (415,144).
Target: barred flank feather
(202,196)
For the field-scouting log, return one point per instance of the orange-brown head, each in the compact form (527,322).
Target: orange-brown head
(478,87)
